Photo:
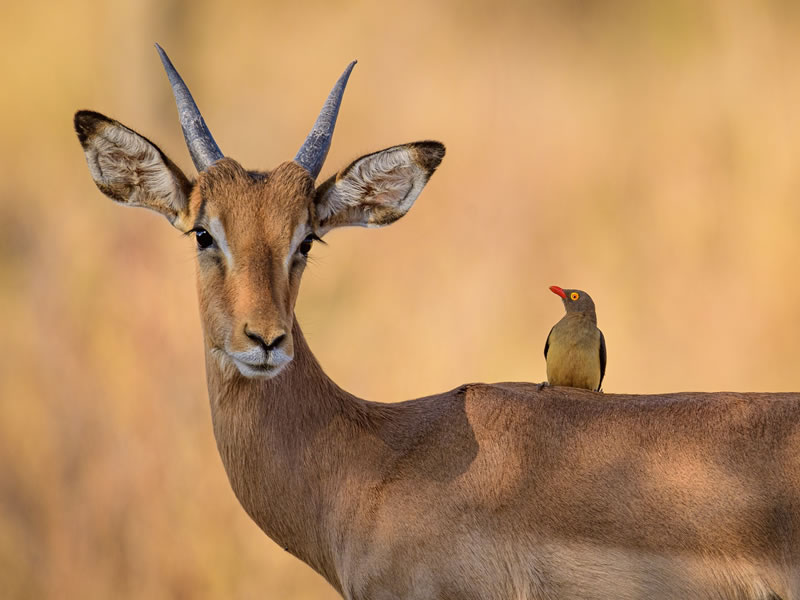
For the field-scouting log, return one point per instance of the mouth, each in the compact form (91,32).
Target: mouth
(262,370)
(255,370)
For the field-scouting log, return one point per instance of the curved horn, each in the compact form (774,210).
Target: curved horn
(201,144)
(312,154)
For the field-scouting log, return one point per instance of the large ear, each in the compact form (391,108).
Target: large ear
(132,170)
(377,189)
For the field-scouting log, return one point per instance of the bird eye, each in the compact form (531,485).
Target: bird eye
(204,239)
(305,246)
(574,295)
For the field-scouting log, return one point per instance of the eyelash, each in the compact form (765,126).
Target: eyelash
(201,232)
(305,246)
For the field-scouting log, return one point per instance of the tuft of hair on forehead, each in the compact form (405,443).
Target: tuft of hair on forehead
(291,176)
(228,178)
(223,174)
(226,172)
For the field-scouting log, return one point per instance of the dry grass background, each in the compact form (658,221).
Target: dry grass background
(644,151)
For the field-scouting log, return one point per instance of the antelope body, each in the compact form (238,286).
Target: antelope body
(482,492)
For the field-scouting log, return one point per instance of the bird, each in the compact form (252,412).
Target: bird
(575,350)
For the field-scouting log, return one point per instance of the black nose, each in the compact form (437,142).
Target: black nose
(271,345)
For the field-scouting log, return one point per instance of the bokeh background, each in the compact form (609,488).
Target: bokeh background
(647,152)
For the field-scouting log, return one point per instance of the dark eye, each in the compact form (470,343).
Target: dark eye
(305,246)
(204,239)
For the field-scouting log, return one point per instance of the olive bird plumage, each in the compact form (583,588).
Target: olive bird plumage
(575,349)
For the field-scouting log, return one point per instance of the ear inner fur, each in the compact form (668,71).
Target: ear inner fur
(130,169)
(378,188)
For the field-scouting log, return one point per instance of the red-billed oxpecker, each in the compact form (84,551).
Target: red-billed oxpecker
(575,349)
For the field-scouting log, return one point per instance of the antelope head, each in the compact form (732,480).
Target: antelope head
(253,229)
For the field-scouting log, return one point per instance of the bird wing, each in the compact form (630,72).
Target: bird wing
(602,359)
(547,342)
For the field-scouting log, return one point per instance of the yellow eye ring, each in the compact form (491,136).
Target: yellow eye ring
(574,295)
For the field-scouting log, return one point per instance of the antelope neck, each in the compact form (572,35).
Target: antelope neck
(288,444)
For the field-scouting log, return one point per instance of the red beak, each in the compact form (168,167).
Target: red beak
(558,291)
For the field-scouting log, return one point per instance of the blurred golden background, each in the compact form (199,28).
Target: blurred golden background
(646,152)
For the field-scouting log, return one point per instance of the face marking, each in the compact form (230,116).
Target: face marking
(217,231)
(300,233)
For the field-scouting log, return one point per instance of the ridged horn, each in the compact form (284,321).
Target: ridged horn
(311,155)
(201,144)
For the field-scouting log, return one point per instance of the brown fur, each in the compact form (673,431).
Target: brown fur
(498,491)
(486,491)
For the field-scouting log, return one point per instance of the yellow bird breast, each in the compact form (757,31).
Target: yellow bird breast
(573,356)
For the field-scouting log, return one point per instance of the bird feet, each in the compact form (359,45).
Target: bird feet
(541,386)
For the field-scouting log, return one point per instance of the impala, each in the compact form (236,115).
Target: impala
(484,491)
